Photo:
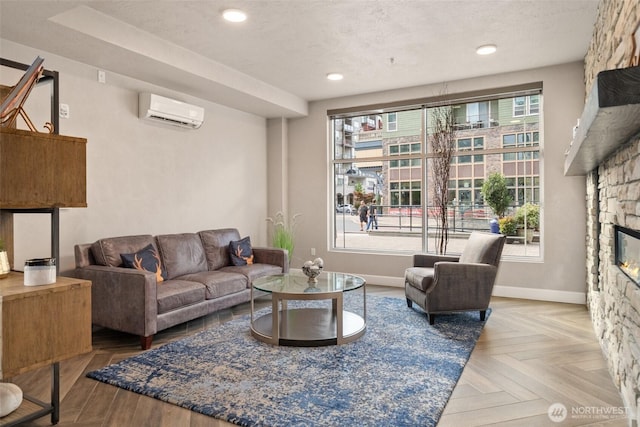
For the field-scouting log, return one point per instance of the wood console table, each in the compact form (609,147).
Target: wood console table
(40,326)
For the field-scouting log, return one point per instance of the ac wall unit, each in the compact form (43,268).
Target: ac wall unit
(169,111)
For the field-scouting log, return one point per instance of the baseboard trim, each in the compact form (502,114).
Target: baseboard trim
(540,294)
(498,291)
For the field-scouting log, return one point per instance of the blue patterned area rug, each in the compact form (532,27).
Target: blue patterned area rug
(400,373)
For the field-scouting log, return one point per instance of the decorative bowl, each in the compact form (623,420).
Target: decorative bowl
(312,269)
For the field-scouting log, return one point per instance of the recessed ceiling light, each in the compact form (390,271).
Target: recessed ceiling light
(486,49)
(234,15)
(335,76)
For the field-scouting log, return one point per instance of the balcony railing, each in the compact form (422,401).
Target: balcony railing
(409,218)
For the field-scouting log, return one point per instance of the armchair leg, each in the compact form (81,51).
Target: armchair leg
(483,314)
(432,318)
(145,342)
(409,303)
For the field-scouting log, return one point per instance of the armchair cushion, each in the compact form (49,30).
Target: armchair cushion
(482,248)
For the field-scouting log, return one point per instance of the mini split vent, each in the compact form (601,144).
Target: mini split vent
(159,109)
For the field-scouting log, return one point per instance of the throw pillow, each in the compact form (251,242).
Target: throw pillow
(241,252)
(147,259)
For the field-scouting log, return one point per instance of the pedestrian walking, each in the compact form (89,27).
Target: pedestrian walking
(363,211)
(373,219)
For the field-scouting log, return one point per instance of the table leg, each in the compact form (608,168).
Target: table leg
(364,299)
(252,304)
(55,393)
(338,310)
(275,320)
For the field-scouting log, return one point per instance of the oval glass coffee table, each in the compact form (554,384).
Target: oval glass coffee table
(308,326)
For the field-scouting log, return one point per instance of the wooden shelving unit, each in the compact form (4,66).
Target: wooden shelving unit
(41,326)
(609,120)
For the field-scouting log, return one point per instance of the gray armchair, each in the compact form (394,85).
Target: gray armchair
(443,284)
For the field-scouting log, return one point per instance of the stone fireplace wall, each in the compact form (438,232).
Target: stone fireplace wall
(613,197)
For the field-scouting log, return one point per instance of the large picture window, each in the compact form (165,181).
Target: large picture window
(384,160)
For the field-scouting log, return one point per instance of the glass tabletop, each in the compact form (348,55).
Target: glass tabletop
(298,283)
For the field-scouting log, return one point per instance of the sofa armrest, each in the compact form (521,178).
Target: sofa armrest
(273,256)
(83,255)
(123,299)
(427,260)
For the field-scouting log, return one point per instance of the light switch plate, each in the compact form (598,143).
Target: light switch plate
(64,111)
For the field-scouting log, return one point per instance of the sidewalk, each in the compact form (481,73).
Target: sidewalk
(389,236)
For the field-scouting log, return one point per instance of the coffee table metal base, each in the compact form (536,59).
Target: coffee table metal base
(308,327)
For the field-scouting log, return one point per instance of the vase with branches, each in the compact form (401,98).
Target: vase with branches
(283,232)
(443,142)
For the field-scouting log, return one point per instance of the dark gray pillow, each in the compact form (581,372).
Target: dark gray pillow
(241,252)
(147,259)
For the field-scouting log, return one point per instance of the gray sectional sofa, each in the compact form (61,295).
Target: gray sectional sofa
(199,279)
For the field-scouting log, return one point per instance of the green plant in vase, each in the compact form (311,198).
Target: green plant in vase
(283,232)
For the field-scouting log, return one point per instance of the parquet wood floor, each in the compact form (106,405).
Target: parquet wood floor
(531,355)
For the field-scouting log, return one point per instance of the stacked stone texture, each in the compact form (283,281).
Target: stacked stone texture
(613,197)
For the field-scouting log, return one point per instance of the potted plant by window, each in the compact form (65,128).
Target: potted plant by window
(496,194)
(508,225)
(528,220)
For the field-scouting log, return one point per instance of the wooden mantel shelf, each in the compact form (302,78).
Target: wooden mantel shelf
(611,117)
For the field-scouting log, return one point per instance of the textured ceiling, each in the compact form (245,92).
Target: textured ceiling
(277,60)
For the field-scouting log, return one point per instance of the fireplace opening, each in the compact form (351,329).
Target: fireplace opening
(628,252)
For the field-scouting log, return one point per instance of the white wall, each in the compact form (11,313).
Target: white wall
(561,275)
(144,178)
(148,179)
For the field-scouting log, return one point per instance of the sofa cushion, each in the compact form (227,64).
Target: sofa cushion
(218,283)
(240,251)
(253,271)
(216,246)
(174,294)
(107,251)
(181,254)
(147,259)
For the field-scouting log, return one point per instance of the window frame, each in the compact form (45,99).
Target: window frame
(394,122)
(407,159)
